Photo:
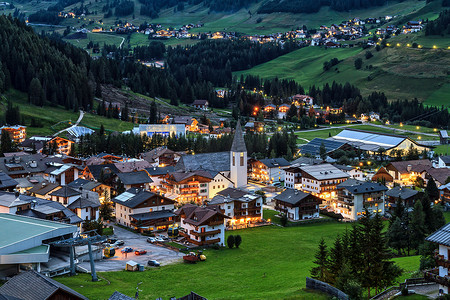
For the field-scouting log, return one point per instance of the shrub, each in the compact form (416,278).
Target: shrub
(358,63)
(237,240)
(368,54)
(230,241)
(283,220)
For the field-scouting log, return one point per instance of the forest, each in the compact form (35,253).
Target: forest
(50,72)
(312,6)
(440,26)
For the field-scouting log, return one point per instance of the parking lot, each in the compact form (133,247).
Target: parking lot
(136,242)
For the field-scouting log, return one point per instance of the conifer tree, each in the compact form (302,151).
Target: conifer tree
(320,272)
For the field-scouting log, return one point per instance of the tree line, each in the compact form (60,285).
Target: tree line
(313,6)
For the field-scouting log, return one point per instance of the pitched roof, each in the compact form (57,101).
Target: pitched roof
(360,187)
(6,181)
(232,194)
(43,188)
(418,165)
(139,177)
(293,196)
(155,171)
(238,140)
(401,192)
(441,236)
(180,175)
(65,192)
(200,102)
(84,184)
(324,171)
(196,215)
(84,202)
(215,161)
(131,166)
(445,159)
(306,161)
(439,175)
(32,285)
(96,170)
(42,208)
(275,162)
(133,197)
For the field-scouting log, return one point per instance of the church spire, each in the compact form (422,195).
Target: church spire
(238,140)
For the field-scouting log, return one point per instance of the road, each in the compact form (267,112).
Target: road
(76,124)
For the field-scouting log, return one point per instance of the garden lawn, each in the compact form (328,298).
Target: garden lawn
(272,263)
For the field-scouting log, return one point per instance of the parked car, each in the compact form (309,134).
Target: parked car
(126,250)
(153,263)
(111,241)
(140,252)
(158,239)
(119,243)
(151,240)
(163,237)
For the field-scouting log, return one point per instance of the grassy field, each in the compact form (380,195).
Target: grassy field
(400,72)
(266,266)
(97,38)
(49,116)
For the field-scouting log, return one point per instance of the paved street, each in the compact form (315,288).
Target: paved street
(137,242)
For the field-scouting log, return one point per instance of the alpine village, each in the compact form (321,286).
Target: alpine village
(224,149)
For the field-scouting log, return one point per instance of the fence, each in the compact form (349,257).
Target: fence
(315,284)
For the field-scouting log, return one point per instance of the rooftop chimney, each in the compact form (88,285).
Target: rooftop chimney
(409,168)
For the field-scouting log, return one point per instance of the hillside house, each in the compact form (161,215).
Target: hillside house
(322,180)
(201,104)
(17,133)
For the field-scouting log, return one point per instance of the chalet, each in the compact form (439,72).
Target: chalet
(407,195)
(298,100)
(187,186)
(269,108)
(254,126)
(103,190)
(102,173)
(61,174)
(139,179)
(440,274)
(297,205)
(65,195)
(61,145)
(354,197)
(402,172)
(49,210)
(444,161)
(283,108)
(11,203)
(268,170)
(157,175)
(242,207)
(322,180)
(86,206)
(218,183)
(190,123)
(144,210)
(443,137)
(201,104)
(17,133)
(439,175)
(202,225)
(32,285)
(132,165)
(293,174)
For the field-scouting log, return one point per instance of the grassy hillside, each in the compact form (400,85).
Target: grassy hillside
(264,267)
(400,72)
(51,116)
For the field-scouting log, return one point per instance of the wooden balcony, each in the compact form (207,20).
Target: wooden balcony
(441,261)
(216,223)
(206,233)
(433,275)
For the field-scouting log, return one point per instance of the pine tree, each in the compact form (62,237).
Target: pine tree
(6,144)
(418,228)
(320,272)
(337,260)
(432,189)
(153,118)
(395,236)
(322,151)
